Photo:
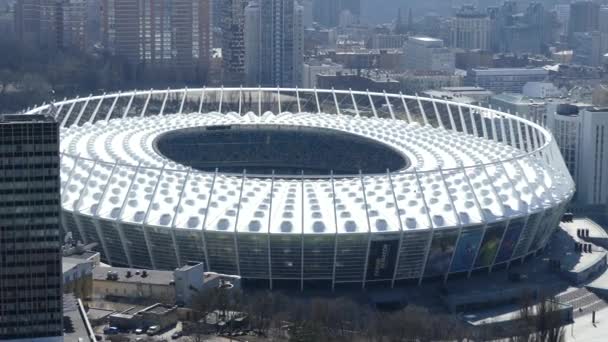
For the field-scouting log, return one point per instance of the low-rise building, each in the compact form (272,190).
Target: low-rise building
(426,53)
(523,106)
(501,80)
(313,67)
(168,287)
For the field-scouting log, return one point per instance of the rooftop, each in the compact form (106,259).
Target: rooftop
(152,277)
(29,118)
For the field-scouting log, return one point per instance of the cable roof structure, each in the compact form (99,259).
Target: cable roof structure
(306,187)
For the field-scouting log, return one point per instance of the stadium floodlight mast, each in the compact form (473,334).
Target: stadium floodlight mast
(307,187)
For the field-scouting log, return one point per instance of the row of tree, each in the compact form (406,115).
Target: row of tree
(281,317)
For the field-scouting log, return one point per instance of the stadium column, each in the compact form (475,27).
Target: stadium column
(369,230)
(502,166)
(58,111)
(372,105)
(268,231)
(86,104)
(174,219)
(406,108)
(112,106)
(397,212)
(204,226)
(437,116)
(389,105)
(421,110)
(260,102)
(129,104)
(503,131)
(63,190)
(95,214)
(144,109)
(484,128)
(333,198)
(483,216)
(147,216)
(432,225)
(221,103)
(162,107)
(241,100)
(473,122)
(352,97)
(69,113)
(76,211)
(298,100)
(302,237)
(463,122)
(451,117)
(202,100)
(317,101)
(96,110)
(119,227)
(183,101)
(333,92)
(500,204)
(279,100)
(527,227)
(456,217)
(236,224)
(494,132)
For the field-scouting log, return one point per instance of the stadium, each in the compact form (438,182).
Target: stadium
(307,188)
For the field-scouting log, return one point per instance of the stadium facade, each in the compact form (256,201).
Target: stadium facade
(307,188)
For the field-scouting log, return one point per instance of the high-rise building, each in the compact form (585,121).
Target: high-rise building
(253,38)
(233,42)
(327,12)
(426,53)
(582,135)
(584,17)
(470,29)
(53,24)
(276,53)
(30,243)
(159,33)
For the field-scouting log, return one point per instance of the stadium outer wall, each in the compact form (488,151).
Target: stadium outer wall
(403,253)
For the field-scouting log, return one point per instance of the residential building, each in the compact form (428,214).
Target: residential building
(172,34)
(501,80)
(253,38)
(470,29)
(387,41)
(581,132)
(426,53)
(233,42)
(280,43)
(584,17)
(30,243)
(53,24)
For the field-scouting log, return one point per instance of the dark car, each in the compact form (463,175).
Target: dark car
(176,335)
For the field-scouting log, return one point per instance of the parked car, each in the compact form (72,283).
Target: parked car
(176,335)
(153,330)
(110,331)
(139,331)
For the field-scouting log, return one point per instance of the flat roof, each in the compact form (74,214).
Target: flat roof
(26,118)
(80,326)
(153,277)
